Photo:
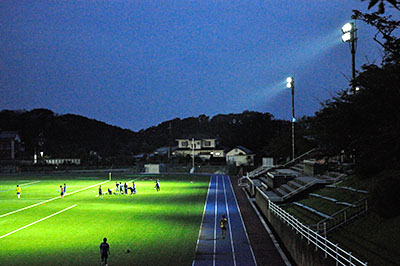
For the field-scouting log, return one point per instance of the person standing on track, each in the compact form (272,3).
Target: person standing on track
(18,191)
(104,251)
(223,224)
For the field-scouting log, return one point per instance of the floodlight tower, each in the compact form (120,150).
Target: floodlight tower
(349,31)
(290,85)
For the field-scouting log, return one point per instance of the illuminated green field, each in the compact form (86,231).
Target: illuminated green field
(160,228)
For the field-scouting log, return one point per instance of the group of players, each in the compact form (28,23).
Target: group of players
(122,189)
(119,189)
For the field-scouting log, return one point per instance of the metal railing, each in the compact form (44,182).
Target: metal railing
(330,249)
(292,162)
(343,216)
(302,188)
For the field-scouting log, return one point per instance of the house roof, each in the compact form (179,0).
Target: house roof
(9,135)
(247,151)
(197,136)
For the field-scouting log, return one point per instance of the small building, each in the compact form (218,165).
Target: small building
(10,145)
(240,156)
(155,168)
(63,161)
(204,148)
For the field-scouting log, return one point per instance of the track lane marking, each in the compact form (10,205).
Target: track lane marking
(36,204)
(215,220)
(229,223)
(38,221)
(202,222)
(244,227)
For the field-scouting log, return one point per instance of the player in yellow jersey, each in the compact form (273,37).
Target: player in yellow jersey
(18,191)
(223,224)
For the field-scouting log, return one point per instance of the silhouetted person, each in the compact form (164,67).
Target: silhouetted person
(223,224)
(104,251)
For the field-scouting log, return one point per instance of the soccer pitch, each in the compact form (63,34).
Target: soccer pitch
(159,228)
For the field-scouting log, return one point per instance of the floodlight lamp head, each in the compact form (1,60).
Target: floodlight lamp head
(348,27)
(289,82)
(347,37)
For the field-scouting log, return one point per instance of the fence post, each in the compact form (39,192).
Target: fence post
(337,255)
(326,255)
(350,258)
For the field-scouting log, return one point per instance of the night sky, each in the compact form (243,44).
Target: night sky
(135,64)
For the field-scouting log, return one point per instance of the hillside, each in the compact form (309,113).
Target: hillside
(72,135)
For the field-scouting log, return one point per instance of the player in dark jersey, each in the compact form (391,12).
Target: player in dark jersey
(104,251)
(100,191)
(126,188)
(158,188)
(62,192)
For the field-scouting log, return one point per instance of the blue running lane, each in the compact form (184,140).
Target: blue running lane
(211,248)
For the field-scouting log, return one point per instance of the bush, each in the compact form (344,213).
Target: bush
(385,194)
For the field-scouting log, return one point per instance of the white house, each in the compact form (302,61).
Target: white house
(204,148)
(240,156)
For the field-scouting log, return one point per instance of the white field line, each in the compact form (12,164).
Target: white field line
(36,204)
(229,223)
(244,227)
(34,182)
(38,221)
(215,220)
(24,184)
(202,221)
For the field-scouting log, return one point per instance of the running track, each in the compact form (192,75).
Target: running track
(211,248)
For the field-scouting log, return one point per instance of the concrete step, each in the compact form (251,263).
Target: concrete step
(294,184)
(280,192)
(297,168)
(287,188)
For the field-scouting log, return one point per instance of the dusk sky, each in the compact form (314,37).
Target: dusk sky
(135,64)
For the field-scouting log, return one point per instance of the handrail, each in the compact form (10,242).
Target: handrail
(302,188)
(299,157)
(341,256)
(343,216)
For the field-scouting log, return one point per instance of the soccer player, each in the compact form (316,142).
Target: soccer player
(104,251)
(18,191)
(109,192)
(126,188)
(121,189)
(134,187)
(223,224)
(65,188)
(100,192)
(116,187)
(62,191)
(158,185)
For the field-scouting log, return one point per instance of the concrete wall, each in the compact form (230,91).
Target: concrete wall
(301,252)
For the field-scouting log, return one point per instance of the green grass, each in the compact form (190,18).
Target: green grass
(369,237)
(160,228)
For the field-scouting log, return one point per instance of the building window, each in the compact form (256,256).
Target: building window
(207,143)
(184,143)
